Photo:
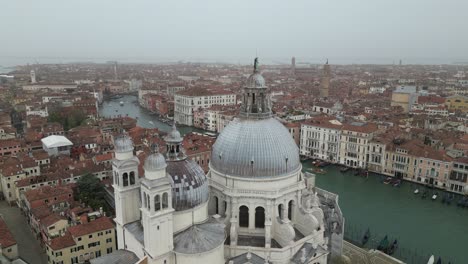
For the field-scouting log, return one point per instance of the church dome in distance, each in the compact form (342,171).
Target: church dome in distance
(174,135)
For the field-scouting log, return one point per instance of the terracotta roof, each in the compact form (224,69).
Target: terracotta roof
(62,242)
(51,219)
(6,238)
(46,192)
(100,224)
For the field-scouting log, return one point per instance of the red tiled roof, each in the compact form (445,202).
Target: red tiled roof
(62,242)
(100,224)
(6,238)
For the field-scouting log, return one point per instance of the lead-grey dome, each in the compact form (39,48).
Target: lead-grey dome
(123,143)
(254,149)
(255,80)
(155,162)
(189,184)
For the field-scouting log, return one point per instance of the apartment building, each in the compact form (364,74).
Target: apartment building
(354,140)
(320,138)
(458,178)
(187,101)
(83,242)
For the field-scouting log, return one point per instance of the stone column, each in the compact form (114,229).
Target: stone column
(285,212)
(251,217)
(220,207)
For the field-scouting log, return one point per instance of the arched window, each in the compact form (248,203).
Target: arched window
(132,178)
(157,203)
(243,216)
(165,200)
(290,209)
(149,201)
(144,200)
(259,217)
(216,205)
(125,179)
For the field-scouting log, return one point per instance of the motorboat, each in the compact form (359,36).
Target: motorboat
(416,191)
(366,237)
(431,260)
(434,196)
(383,244)
(121,103)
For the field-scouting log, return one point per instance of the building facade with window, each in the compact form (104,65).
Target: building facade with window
(83,242)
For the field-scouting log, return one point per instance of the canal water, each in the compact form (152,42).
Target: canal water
(422,227)
(112,108)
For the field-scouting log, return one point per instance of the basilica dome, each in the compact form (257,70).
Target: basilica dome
(255,149)
(155,162)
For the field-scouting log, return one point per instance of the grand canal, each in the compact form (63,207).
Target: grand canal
(422,227)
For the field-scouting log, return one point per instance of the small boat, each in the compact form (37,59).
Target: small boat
(439,261)
(434,196)
(390,250)
(416,191)
(121,103)
(319,171)
(345,169)
(366,237)
(151,122)
(397,183)
(388,180)
(383,244)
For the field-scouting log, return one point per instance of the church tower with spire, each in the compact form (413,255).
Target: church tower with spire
(325,85)
(156,209)
(126,184)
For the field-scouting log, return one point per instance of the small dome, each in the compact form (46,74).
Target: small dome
(255,80)
(155,162)
(174,135)
(189,184)
(123,143)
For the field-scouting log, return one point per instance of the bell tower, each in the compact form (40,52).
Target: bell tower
(156,209)
(126,184)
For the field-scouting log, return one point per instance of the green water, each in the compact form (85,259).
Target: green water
(420,225)
(112,108)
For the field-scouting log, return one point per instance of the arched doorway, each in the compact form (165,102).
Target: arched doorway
(259,217)
(243,216)
(290,209)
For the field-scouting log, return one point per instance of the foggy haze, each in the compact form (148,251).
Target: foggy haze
(235,31)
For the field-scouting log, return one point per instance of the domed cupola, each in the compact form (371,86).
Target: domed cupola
(188,180)
(155,164)
(255,145)
(123,146)
(256,101)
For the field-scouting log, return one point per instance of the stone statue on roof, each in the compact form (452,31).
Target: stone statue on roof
(256,64)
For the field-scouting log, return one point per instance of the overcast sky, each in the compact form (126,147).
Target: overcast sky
(235,30)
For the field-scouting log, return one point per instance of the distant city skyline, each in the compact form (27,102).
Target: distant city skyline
(382,32)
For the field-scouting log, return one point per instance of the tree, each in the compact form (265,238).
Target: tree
(91,192)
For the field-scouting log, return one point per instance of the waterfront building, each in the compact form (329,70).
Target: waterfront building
(354,142)
(83,242)
(320,138)
(459,176)
(377,154)
(187,101)
(404,96)
(256,205)
(457,103)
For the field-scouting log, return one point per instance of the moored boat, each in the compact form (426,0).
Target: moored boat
(416,191)
(390,250)
(388,180)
